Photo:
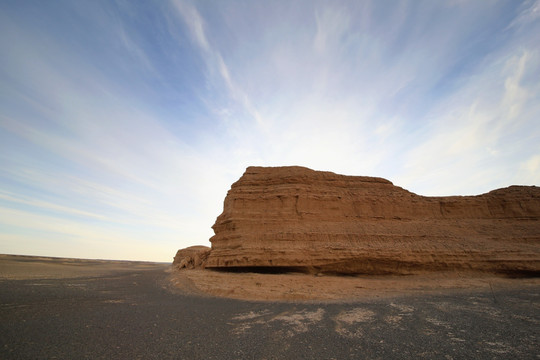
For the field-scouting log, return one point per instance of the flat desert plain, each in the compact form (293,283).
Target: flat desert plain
(16,267)
(68,308)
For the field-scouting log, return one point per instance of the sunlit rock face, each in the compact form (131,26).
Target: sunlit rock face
(315,221)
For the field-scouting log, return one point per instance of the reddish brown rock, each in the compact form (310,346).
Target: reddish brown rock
(294,217)
(191,257)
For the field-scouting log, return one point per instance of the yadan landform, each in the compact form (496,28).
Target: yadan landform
(296,219)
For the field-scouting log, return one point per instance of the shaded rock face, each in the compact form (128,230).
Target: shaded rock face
(297,218)
(192,257)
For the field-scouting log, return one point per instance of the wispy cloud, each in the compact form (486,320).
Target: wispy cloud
(332,25)
(213,57)
(485,123)
(89,150)
(530,13)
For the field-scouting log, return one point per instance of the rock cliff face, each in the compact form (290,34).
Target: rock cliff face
(297,218)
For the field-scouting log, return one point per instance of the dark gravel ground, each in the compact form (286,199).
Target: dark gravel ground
(132,315)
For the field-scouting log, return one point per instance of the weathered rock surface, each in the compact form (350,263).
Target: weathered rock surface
(191,257)
(297,218)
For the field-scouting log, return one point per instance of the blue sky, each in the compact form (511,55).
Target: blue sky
(124,123)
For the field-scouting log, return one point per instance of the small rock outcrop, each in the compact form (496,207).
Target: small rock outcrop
(315,221)
(192,257)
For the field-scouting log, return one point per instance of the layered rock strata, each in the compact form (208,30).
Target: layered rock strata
(297,218)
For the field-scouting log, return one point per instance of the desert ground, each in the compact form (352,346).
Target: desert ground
(308,288)
(67,308)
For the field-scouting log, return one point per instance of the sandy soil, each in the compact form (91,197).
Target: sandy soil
(17,267)
(296,286)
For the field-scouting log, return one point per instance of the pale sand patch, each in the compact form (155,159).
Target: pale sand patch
(293,322)
(346,321)
(299,287)
(355,315)
(300,321)
(393,319)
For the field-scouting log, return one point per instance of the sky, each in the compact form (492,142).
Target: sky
(124,123)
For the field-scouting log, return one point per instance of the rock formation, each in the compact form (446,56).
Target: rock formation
(191,257)
(314,221)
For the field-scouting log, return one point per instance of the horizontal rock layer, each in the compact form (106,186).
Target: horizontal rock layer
(294,217)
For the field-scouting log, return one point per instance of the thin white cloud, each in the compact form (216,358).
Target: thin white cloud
(481,125)
(213,58)
(529,170)
(194,22)
(332,25)
(530,12)
(102,156)
(74,238)
(4,195)
(515,95)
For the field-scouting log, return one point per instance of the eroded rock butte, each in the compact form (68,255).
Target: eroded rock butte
(314,221)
